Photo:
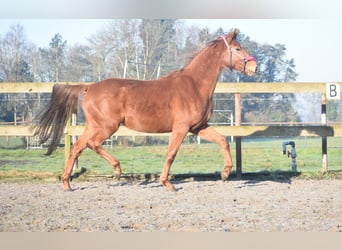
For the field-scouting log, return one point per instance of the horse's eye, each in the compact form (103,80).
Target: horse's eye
(237,49)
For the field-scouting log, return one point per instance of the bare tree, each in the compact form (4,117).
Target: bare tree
(14,66)
(57,55)
(157,38)
(79,67)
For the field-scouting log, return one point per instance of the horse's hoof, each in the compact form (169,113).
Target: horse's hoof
(171,189)
(68,189)
(117,177)
(224,176)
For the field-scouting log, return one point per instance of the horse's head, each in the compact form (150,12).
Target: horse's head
(237,57)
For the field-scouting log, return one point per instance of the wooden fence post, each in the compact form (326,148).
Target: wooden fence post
(67,141)
(74,137)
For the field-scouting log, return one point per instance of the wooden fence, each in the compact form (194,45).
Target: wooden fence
(240,131)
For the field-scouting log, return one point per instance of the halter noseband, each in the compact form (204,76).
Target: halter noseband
(245,59)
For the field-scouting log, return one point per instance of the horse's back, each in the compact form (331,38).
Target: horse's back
(148,106)
(140,105)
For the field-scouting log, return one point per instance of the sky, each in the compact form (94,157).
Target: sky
(314,44)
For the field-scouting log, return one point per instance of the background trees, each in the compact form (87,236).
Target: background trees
(140,49)
(15,66)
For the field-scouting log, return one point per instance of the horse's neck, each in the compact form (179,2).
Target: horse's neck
(205,69)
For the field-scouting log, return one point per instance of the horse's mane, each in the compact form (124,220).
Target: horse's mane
(212,43)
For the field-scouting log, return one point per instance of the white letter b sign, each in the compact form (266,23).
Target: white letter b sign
(333,91)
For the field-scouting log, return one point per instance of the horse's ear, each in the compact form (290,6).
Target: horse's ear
(232,35)
(236,32)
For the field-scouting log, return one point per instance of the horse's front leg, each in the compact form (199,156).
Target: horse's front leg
(210,134)
(176,139)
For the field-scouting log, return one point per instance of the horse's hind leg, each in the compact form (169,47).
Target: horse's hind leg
(92,139)
(210,134)
(76,150)
(95,143)
(112,160)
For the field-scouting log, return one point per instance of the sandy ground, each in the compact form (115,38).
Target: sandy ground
(144,206)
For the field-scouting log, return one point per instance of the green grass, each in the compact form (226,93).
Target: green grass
(258,155)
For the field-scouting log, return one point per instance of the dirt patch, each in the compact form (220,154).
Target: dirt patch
(144,206)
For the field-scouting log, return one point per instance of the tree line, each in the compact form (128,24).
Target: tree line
(140,49)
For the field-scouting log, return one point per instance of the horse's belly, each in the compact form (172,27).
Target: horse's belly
(149,124)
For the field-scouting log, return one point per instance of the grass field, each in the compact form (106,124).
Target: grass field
(258,155)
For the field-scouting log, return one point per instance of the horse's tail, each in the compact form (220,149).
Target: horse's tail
(52,120)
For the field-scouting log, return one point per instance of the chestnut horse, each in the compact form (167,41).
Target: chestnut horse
(180,102)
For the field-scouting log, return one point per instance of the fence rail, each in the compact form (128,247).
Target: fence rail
(244,131)
(250,87)
(240,131)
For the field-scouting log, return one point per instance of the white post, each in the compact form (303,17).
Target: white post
(158,71)
(125,69)
(324,138)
